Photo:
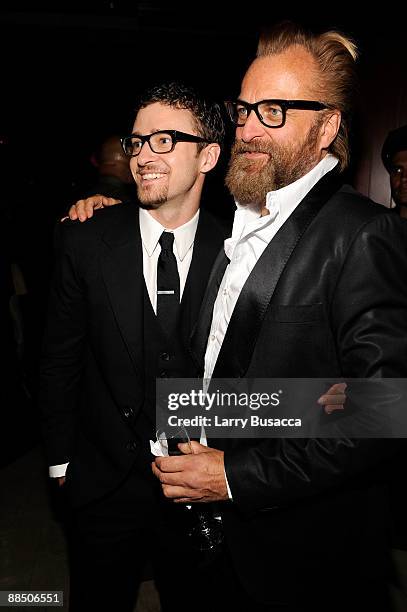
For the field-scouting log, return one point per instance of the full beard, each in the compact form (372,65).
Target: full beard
(249,180)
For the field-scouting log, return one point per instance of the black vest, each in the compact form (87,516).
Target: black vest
(163,358)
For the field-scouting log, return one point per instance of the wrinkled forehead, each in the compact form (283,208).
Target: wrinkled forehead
(158,116)
(287,75)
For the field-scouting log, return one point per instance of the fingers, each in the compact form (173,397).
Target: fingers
(338,399)
(169,478)
(181,493)
(337,388)
(171,464)
(187,460)
(329,408)
(185,447)
(83,209)
(335,395)
(199,448)
(175,486)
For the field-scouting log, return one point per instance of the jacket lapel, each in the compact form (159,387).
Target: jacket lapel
(200,333)
(207,244)
(255,297)
(122,269)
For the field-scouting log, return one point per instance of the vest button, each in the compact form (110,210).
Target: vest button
(131,446)
(165,356)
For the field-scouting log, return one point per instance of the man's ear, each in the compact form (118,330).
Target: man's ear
(330,128)
(209,157)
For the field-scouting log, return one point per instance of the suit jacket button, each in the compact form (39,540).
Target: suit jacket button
(165,356)
(163,374)
(131,446)
(128,412)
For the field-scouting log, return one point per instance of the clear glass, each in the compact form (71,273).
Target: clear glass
(159,142)
(206,533)
(271,113)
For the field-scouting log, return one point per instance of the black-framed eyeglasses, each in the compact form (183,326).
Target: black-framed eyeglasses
(271,113)
(163,141)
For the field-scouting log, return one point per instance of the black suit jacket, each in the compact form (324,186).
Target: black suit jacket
(93,371)
(327,298)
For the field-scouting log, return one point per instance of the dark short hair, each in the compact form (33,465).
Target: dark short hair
(207,114)
(396,141)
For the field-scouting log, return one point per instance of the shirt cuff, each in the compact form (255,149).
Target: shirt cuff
(57,471)
(227,486)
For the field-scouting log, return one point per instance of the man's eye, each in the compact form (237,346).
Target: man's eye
(396,170)
(241,111)
(164,140)
(272,111)
(136,144)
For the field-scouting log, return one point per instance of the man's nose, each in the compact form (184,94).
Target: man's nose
(251,129)
(146,154)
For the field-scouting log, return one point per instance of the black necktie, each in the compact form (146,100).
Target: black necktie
(167,284)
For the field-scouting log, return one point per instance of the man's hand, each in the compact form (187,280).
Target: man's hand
(334,398)
(61,481)
(197,477)
(83,209)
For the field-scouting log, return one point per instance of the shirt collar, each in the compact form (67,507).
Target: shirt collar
(286,199)
(151,230)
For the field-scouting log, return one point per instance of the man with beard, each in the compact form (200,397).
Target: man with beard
(312,284)
(127,290)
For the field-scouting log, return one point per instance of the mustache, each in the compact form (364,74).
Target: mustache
(256,146)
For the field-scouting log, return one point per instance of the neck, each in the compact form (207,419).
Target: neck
(171,215)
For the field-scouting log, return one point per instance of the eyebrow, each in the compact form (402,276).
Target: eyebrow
(138,133)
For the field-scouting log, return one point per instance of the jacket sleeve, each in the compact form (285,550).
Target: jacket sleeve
(368,317)
(63,351)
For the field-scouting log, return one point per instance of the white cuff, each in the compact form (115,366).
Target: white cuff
(57,471)
(228,488)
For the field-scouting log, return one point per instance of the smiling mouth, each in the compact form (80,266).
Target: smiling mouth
(152,176)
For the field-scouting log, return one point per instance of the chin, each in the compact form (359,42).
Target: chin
(151,205)
(149,202)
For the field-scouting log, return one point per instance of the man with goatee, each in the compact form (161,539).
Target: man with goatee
(127,291)
(311,284)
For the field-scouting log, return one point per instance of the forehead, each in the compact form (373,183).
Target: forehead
(287,75)
(400,158)
(159,116)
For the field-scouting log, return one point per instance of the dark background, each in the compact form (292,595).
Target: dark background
(70,71)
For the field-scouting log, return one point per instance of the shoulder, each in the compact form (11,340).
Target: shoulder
(355,203)
(353,212)
(120,217)
(364,230)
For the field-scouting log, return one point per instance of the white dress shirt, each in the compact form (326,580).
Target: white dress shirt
(250,236)
(150,231)
(184,237)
